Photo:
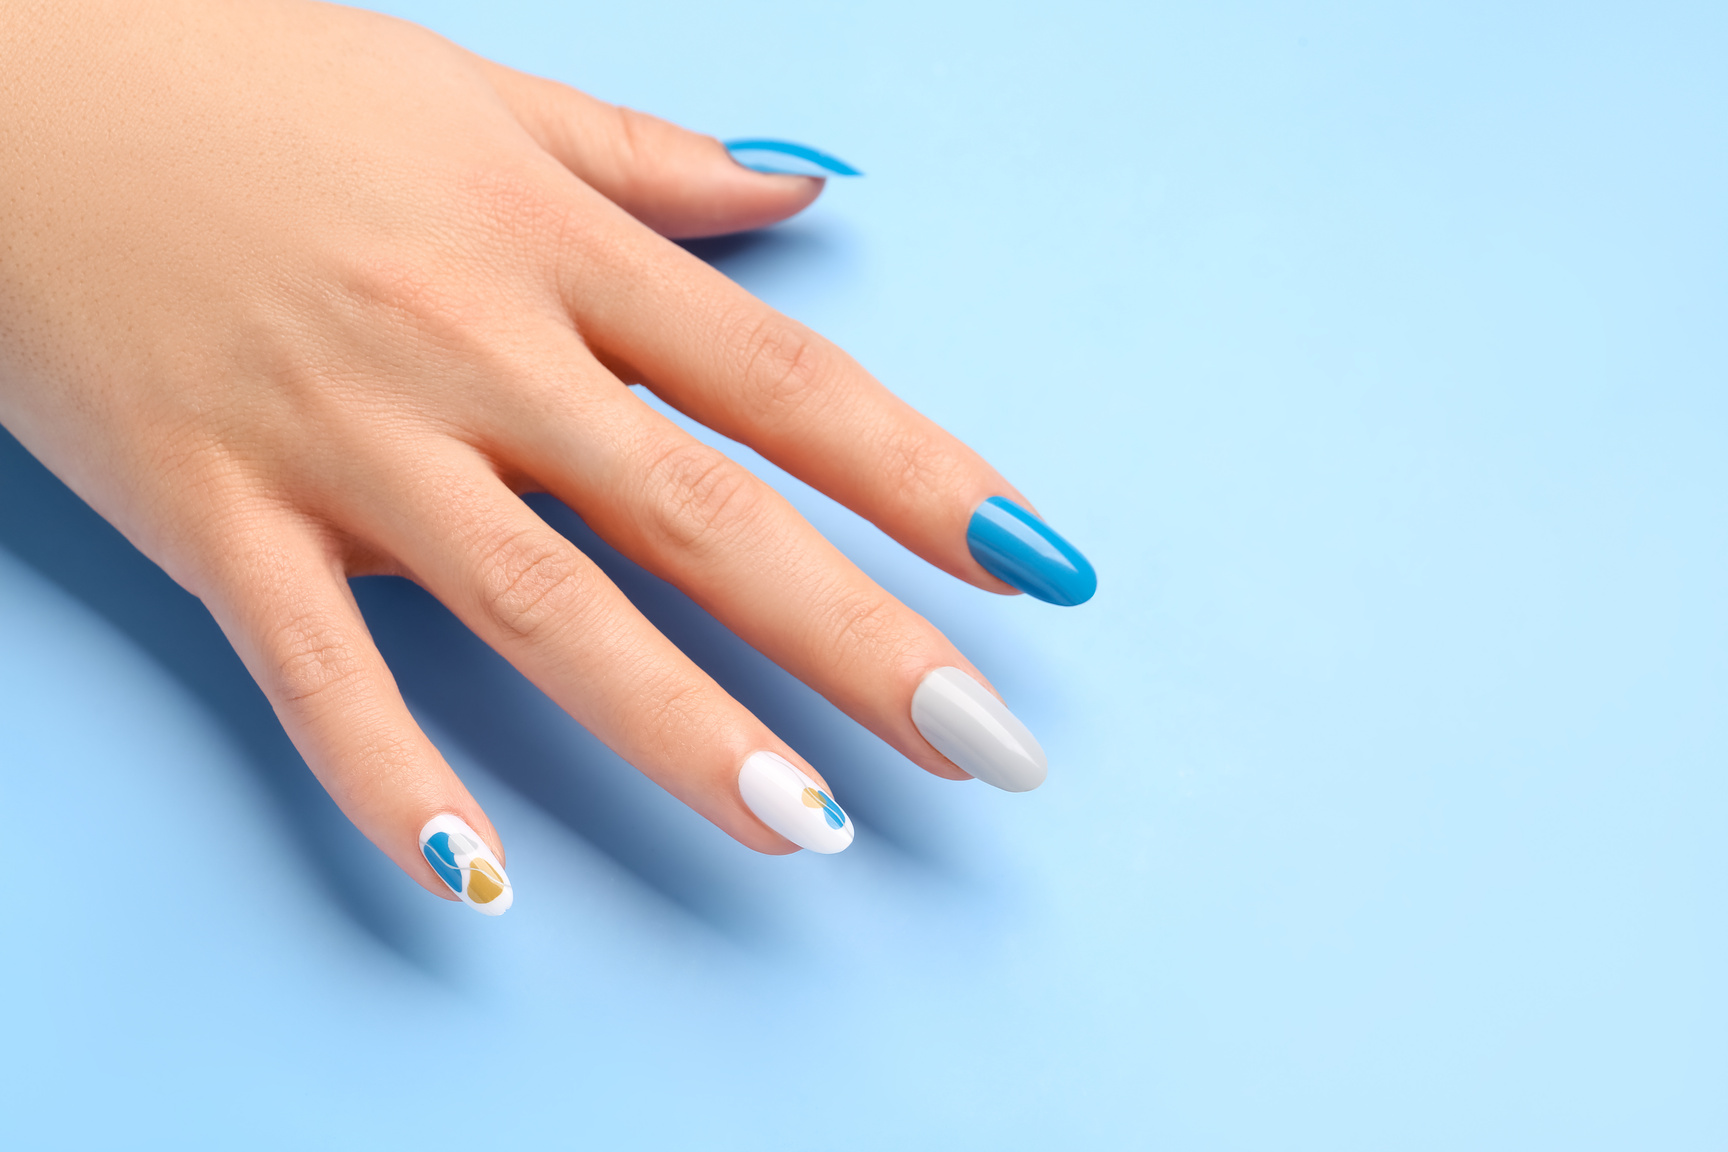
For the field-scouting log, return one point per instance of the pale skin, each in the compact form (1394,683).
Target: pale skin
(292,293)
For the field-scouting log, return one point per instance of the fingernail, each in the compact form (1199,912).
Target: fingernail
(792,804)
(1019,549)
(787,158)
(964,722)
(463,861)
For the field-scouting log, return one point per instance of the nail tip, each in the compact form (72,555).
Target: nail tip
(1018,788)
(1018,779)
(829,848)
(1082,590)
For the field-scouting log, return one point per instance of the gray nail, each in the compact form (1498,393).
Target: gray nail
(965,723)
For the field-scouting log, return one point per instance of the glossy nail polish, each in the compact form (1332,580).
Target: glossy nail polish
(463,861)
(787,158)
(1019,549)
(966,723)
(792,803)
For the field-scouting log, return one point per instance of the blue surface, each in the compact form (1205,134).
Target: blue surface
(1376,354)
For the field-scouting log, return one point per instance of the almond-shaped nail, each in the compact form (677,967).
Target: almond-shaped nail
(792,803)
(966,723)
(1019,549)
(782,157)
(463,861)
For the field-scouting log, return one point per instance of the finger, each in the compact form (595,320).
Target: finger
(285,604)
(696,518)
(723,357)
(548,609)
(679,183)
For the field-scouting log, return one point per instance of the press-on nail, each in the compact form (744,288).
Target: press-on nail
(792,803)
(1019,549)
(463,861)
(787,158)
(967,724)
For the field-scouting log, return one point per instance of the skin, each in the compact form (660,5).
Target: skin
(292,293)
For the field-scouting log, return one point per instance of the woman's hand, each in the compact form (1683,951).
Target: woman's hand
(292,292)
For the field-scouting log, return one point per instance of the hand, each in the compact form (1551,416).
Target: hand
(291,292)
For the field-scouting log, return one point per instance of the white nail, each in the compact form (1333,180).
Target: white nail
(793,804)
(462,860)
(964,722)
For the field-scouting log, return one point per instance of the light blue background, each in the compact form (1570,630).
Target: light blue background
(1378,357)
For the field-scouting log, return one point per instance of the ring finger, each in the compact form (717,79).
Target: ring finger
(530,594)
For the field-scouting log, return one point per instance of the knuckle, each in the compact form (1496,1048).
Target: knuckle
(515,199)
(682,708)
(782,364)
(454,278)
(529,582)
(414,295)
(917,468)
(630,137)
(311,657)
(698,494)
(863,624)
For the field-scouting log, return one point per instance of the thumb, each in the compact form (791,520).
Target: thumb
(679,183)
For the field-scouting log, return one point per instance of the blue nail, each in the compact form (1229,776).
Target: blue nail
(1018,548)
(787,158)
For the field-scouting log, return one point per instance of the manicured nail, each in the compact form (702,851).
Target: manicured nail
(463,861)
(1019,549)
(787,158)
(964,722)
(793,804)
